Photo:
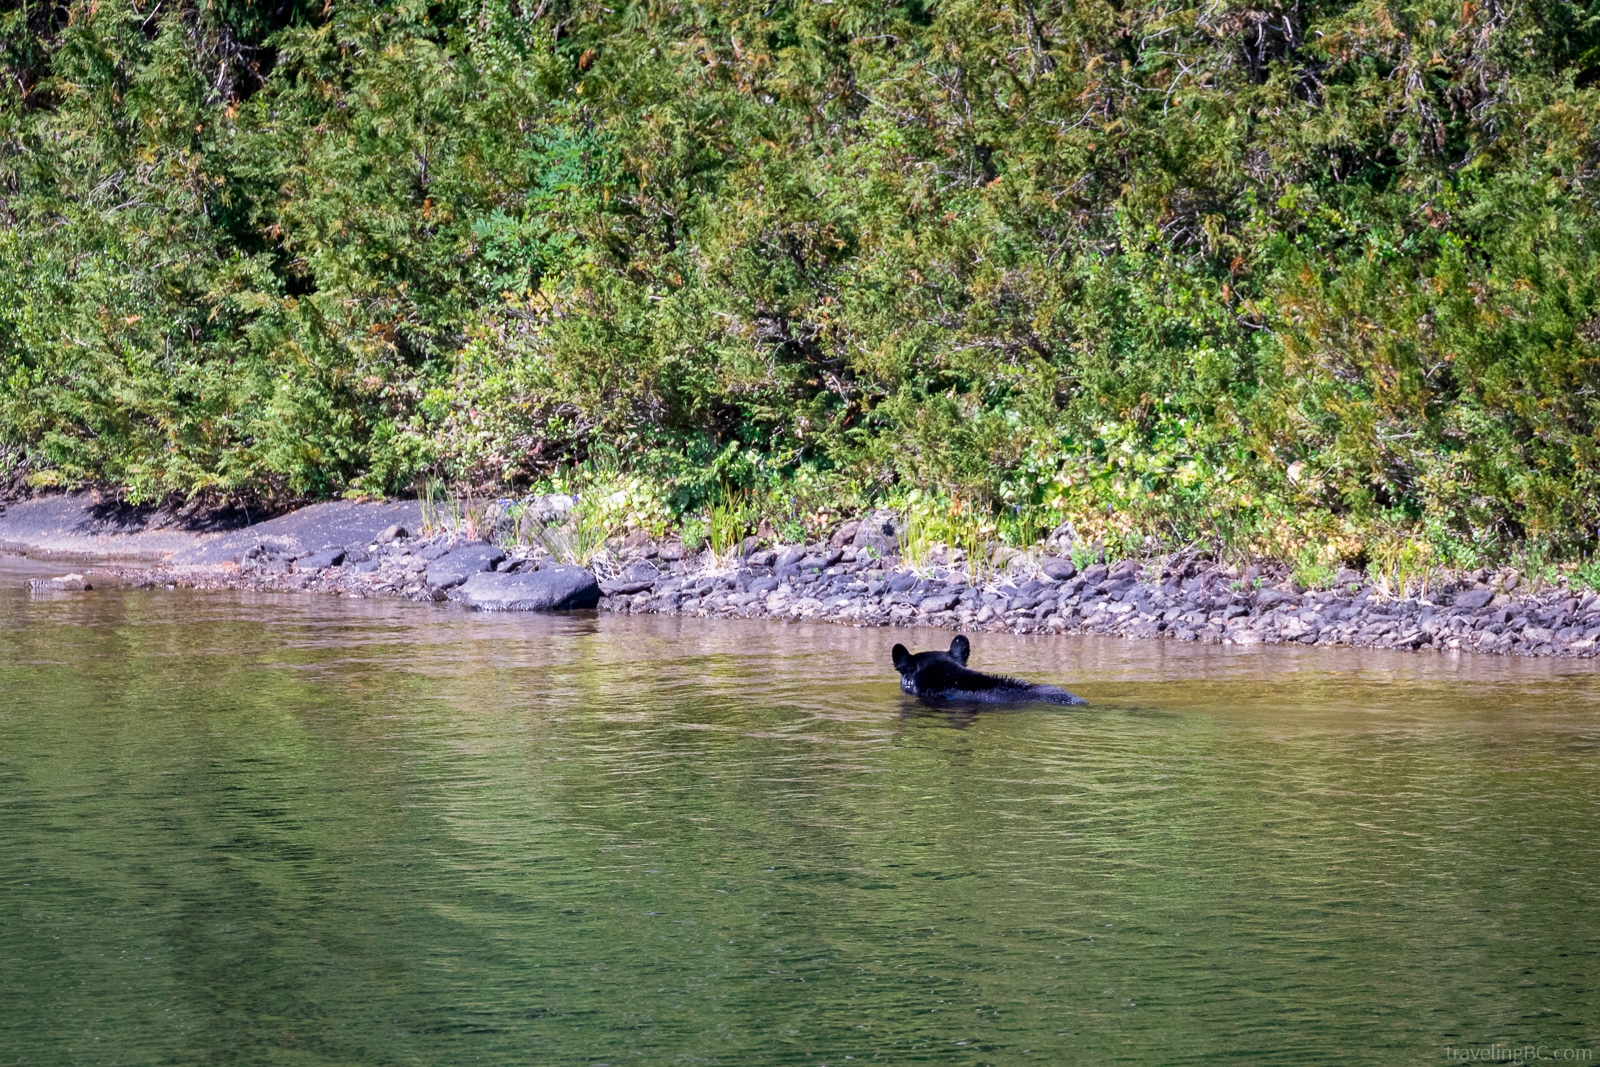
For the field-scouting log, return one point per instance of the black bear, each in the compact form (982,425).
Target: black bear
(944,676)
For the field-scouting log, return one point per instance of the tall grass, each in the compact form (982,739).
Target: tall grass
(465,515)
(936,530)
(728,523)
(581,540)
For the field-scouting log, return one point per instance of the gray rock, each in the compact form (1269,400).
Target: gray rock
(320,560)
(453,568)
(546,589)
(879,532)
(1058,570)
(821,559)
(938,602)
(66,583)
(392,532)
(639,571)
(548,510)
(1095,573)
(1473,599)
(1268,599)
(432,550)
(623,587)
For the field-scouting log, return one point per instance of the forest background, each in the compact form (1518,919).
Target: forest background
(1311,280)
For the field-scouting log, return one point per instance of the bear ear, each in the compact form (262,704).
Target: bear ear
(902,658)
(960,649)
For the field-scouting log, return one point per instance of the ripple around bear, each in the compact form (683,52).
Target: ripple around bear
(943,676)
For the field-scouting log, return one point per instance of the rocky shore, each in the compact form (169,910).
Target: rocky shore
(856,578)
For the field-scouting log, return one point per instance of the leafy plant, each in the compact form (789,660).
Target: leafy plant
(692,531)
(1213,291)
(1315,566)
(1085,555)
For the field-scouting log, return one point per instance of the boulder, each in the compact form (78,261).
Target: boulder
(455,567)
(546,589)
(624,587)
(320,560)
(441,545)
(639,571)
(1473,599)
(880,532)
(789,555)
(1058,570)
(823,558)
(1268,599)
(548,510)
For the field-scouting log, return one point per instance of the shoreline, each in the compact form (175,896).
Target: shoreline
(366,550)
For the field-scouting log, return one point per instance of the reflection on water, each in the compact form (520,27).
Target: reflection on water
(281,829)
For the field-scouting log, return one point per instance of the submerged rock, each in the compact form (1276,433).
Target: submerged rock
(66,583)
(546,589)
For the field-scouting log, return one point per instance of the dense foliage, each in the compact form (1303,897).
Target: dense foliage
(1322,271)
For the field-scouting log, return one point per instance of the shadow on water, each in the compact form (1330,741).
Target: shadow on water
(264,828)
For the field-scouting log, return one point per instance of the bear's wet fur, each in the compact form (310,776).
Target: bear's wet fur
(943,676)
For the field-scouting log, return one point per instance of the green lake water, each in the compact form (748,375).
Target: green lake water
(266,829)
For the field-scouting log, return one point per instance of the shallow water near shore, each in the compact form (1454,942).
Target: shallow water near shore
(257,828)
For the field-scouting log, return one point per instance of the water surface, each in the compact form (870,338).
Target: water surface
(277,829)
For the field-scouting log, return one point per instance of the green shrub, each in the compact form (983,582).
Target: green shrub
(1154,270)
